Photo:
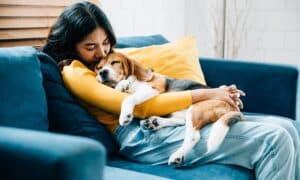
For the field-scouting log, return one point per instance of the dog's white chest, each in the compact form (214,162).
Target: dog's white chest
(131,85)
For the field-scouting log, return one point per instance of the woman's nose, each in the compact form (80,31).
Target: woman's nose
(101,52)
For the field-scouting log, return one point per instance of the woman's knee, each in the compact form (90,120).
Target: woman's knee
(281,139)
(283,122)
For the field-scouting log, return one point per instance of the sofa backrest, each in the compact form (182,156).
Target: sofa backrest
(22,96)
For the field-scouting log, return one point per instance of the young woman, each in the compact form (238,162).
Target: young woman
(267,144)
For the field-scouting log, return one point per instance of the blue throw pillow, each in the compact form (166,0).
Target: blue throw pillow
(140,41)
(22,97)
(65,115)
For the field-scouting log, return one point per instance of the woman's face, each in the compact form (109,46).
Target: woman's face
(95,46)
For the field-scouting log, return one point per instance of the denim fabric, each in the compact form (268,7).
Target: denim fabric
(210,171)
(114,173)
(267,144)
(65,114)
(22,97)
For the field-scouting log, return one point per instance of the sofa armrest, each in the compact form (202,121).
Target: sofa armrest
(270,88)
(27,154)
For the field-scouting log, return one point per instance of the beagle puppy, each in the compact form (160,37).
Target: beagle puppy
(126,75)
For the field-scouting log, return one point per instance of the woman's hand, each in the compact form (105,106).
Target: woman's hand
(234,94)
(230,94)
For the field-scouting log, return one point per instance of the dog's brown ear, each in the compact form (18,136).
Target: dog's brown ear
(128,66)
(142,73)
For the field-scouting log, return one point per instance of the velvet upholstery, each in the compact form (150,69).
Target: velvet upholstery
(263,83)
(22,96)
(34,155)
(140,41)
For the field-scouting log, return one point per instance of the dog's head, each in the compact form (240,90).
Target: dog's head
(116,67)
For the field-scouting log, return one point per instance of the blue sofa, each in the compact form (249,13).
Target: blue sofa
(46,134)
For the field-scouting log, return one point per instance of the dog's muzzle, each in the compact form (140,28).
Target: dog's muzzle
(104,75)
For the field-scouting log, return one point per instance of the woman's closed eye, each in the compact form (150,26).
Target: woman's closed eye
(90,48)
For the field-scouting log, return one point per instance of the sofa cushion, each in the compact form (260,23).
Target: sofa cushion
(22,97)
(178,59)
(140,41)
(65,114)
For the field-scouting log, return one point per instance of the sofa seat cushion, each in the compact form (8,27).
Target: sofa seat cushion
(207,172)
(22,97)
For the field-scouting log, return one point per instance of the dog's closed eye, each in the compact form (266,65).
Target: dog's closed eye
(115,62)
(98,67)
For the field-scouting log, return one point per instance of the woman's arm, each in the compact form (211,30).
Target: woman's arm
(83,84)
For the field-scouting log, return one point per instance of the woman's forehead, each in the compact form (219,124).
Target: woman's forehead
(95,37)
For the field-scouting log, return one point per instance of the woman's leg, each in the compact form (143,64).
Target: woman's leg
(289,126)
(266,148)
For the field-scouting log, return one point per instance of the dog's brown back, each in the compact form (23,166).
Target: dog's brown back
(210,111)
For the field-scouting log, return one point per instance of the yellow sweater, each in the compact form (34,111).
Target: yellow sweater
(105,103)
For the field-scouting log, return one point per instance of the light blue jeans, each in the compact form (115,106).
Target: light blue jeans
(268,144)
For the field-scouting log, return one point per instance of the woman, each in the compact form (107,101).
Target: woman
(267,144)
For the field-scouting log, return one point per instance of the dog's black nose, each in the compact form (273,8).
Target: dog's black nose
(104,73)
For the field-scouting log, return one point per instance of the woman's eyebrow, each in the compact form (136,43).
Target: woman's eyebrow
(90,44)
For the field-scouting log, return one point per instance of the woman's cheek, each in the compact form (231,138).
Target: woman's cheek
(88,55)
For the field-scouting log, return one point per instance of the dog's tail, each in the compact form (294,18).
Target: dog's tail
(220,128)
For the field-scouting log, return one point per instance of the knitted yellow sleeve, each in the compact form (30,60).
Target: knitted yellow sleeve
(83,84)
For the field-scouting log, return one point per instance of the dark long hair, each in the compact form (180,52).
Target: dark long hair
(72,26)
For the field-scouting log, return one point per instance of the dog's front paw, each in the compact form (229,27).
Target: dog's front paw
(123,86)
(125,118)
(176,159)
(152,123)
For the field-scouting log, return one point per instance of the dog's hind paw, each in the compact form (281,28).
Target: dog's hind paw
(176,159)
(125,119)
(152,123)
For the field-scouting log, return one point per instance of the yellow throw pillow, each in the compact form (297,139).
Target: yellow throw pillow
(177,59)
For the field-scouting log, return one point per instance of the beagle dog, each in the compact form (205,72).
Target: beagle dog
(126,75)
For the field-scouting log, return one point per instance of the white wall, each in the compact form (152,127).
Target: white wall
(145,17)
(259,30)
(272,30)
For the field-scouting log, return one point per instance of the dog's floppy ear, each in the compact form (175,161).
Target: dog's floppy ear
(137,69)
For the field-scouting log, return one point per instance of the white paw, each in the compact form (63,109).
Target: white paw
(123,86)
(125,118)
(152,123)
(131,79)
(177,158)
